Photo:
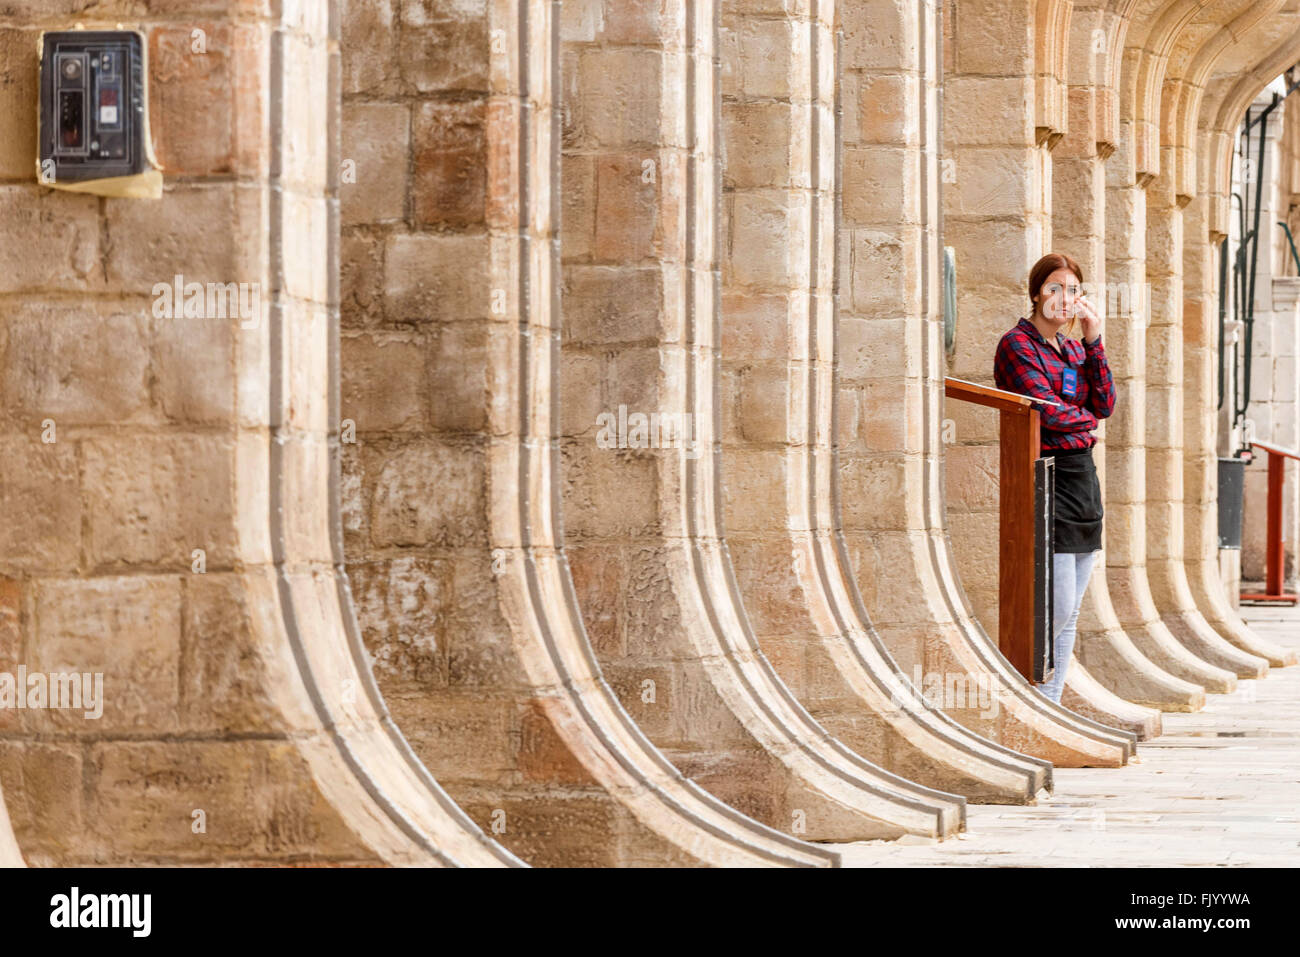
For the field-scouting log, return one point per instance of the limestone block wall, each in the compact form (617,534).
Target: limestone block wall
(996,208)
(170,515)
(579,489)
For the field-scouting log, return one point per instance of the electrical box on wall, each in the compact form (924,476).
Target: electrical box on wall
(94,114)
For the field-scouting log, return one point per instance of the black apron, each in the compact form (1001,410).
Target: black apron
(1078,501)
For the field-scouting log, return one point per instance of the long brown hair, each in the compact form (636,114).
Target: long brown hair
(1044,268)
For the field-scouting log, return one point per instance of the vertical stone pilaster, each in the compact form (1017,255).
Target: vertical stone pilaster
(644,507)
(1126,430)
(779,147)
(893,437)
(1200,434)
(1204,439)
(1116,673)
(1165,433)
(1272,413)
(451,375)
(183,486)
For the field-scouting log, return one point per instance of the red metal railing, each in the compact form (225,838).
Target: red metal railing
(1277,456)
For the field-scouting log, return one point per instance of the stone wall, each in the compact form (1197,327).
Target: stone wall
(581,490)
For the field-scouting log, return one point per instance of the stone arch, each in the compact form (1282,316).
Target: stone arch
(1227,99)
(1157,25)
(1115,17)
(1181,123)
(1051,87)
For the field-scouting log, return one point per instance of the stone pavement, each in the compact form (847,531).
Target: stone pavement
(1220,787)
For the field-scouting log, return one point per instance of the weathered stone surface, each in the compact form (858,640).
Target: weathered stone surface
(48,241)
(41,496)
(166,486)
(18,103)
(449,522)
(377,142)
(424,401)
(451,163)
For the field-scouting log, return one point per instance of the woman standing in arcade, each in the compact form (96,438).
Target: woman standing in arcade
(1038,358)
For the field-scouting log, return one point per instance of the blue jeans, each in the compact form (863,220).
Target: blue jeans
(1070,573)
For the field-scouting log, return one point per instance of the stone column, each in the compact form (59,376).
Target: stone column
(168,481)
(1126,432)
(780,164)
(891,351)
(643,477)
(1274,388)
(1117,674)
(1164,426)
(1200,333)
(450,370)
(1226,99)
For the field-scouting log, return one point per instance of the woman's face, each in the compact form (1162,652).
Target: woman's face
(1057,300)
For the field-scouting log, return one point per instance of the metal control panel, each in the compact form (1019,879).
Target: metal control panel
(93,123)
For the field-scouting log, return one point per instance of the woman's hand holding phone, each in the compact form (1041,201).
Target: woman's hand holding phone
(1089,318)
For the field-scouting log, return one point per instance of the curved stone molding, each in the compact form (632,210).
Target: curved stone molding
(1087,696)
(1148,46)
(1227,96)
(185,553)
(1108,668)
(780,139)
(10,636)
(454,537)
(644,513)
(10,856)
(1203,44)
(891,358)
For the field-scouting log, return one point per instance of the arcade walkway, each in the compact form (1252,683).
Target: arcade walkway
(1219,788)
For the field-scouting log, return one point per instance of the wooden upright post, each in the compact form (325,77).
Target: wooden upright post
(1018,435)
(1018,439)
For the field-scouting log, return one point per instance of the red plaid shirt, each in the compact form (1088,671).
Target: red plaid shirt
(1025,363)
